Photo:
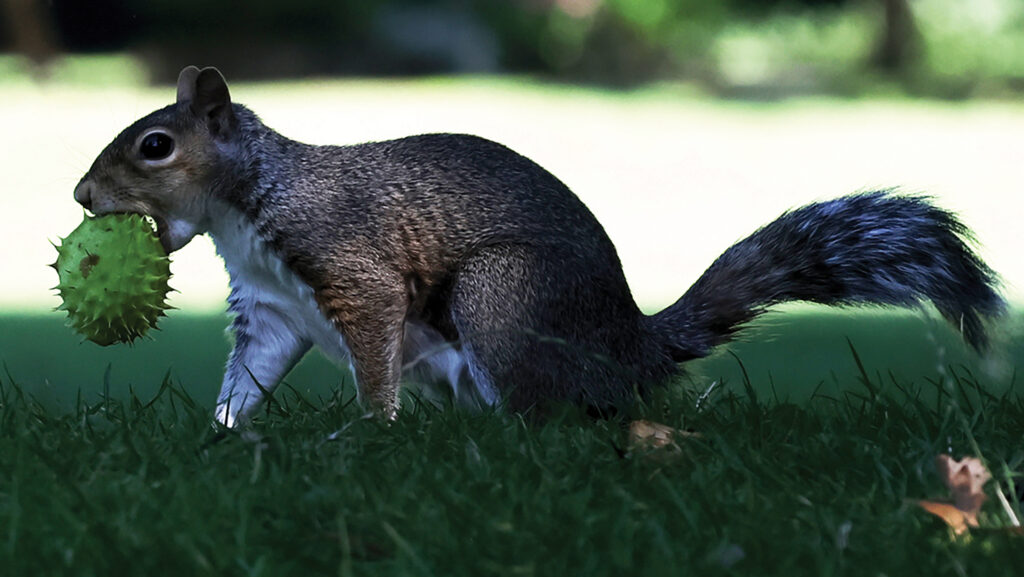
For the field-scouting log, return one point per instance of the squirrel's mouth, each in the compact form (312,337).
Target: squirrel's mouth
(163,232)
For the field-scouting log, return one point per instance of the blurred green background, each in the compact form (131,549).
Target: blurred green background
(683,124)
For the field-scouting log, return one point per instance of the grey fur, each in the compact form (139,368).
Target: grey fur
(484,248)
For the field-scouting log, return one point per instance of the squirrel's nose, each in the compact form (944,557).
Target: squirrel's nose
(83,194)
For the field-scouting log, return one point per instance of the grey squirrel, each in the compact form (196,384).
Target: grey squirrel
(458,258)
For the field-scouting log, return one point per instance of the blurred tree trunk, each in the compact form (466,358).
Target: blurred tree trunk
(31,29)
(898,46)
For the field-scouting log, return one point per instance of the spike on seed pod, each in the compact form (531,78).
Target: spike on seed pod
(113,278)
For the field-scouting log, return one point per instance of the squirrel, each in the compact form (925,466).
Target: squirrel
(458,259)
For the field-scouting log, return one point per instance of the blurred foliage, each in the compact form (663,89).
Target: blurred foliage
(946,48)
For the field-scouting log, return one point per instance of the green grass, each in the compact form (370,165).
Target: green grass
(146,486)
(126,475)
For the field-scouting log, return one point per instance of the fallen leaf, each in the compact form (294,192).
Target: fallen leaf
(652,435)
(965,479)
(955,518)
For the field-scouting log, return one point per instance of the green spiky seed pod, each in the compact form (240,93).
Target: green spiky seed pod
(113,278)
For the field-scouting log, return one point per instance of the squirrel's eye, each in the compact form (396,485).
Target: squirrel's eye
(156,146)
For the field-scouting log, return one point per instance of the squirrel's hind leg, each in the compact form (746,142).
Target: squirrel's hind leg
(439,368)
(537,325)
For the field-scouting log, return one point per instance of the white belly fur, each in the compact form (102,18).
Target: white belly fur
(260,281)
(259,277)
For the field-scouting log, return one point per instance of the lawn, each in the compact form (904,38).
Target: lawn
(823,487)
(815,429)
(811,454)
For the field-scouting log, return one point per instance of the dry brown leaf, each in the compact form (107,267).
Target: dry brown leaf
(652,435)
(955,518)
(649,434)
(965,479)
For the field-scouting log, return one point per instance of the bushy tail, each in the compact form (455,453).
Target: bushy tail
(872,248)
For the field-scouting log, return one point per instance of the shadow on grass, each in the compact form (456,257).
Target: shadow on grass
(788,355)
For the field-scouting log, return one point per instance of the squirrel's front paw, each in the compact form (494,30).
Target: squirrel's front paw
(227,416)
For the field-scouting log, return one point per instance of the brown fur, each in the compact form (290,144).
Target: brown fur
(482,247)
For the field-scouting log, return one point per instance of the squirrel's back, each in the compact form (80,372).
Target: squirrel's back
(425,203)
(465,190)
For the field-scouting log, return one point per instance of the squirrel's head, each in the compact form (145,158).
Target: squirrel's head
(165,164)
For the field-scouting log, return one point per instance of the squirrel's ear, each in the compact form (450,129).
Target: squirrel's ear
(187,83)
(211,100)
